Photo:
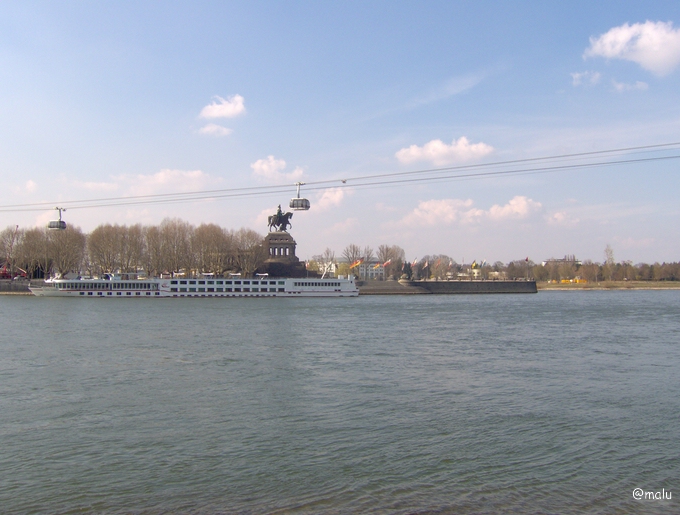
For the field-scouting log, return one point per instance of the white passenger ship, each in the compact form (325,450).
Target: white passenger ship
(115,286)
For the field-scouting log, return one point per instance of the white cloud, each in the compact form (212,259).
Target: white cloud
(585,78)
(653,45)
(96,186)
(344,227)
(213,129)
(221,108)
(329,198)
(562,218)
(449,211)
(31,186)
(166,181)
(517,207)
(620,87)
(439,153)
(271,169)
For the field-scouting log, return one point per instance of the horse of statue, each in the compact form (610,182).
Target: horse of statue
(280,220)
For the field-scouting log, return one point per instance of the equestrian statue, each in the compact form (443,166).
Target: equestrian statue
(281,220)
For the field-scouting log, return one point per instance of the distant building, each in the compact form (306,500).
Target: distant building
(566,260)
(373,271)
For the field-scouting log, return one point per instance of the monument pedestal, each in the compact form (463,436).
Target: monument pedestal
(281,260)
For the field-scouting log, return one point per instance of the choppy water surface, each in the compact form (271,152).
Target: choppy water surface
(561,402)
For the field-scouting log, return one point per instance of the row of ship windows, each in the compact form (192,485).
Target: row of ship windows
(106,286)
(173,289)
(137,293)
(222,283)
(307,283)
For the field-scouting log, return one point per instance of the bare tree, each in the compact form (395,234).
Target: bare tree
(440,266)
(609,263)
(176,235)
(9,240)
(32,251)
(367,254)
(212,248)
(394,256)
(154,257)
(250,250)
(132,246)
(352,253)
(325,261)
(67,249)
(104,249)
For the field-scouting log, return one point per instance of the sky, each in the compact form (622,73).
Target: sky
(113,99)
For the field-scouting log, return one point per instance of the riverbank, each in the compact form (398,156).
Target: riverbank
(610,285)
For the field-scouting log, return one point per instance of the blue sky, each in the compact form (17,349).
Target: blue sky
(113,99)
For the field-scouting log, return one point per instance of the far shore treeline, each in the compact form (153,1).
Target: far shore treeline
(178,247)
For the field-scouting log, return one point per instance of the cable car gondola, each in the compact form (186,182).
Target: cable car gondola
(298,203)
(59,225)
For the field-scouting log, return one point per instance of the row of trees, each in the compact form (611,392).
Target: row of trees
(173,246)
(442,267)
(594,272)
(176,246)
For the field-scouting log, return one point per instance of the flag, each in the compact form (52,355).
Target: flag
(414,262)
(450,263)
(527,259)
(356,263)
(427,263)
(376,266)
(387,262)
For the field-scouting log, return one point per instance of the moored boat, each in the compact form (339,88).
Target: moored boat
(115,286)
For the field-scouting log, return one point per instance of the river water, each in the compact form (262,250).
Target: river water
(560,402)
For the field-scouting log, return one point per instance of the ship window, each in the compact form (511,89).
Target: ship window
(246,282)
(227,282)
(182,282)
(119,293)
(237,289)
(255,289)
(192,289)
(182,289)
(237,282)
(201,282)
(211,289)
(227,289)
(282,282)
(82,293)
(173,289)
(211,282)
(201,289)
(173,282)
(272,289)
(282,289)
(219,289)
(192,282)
